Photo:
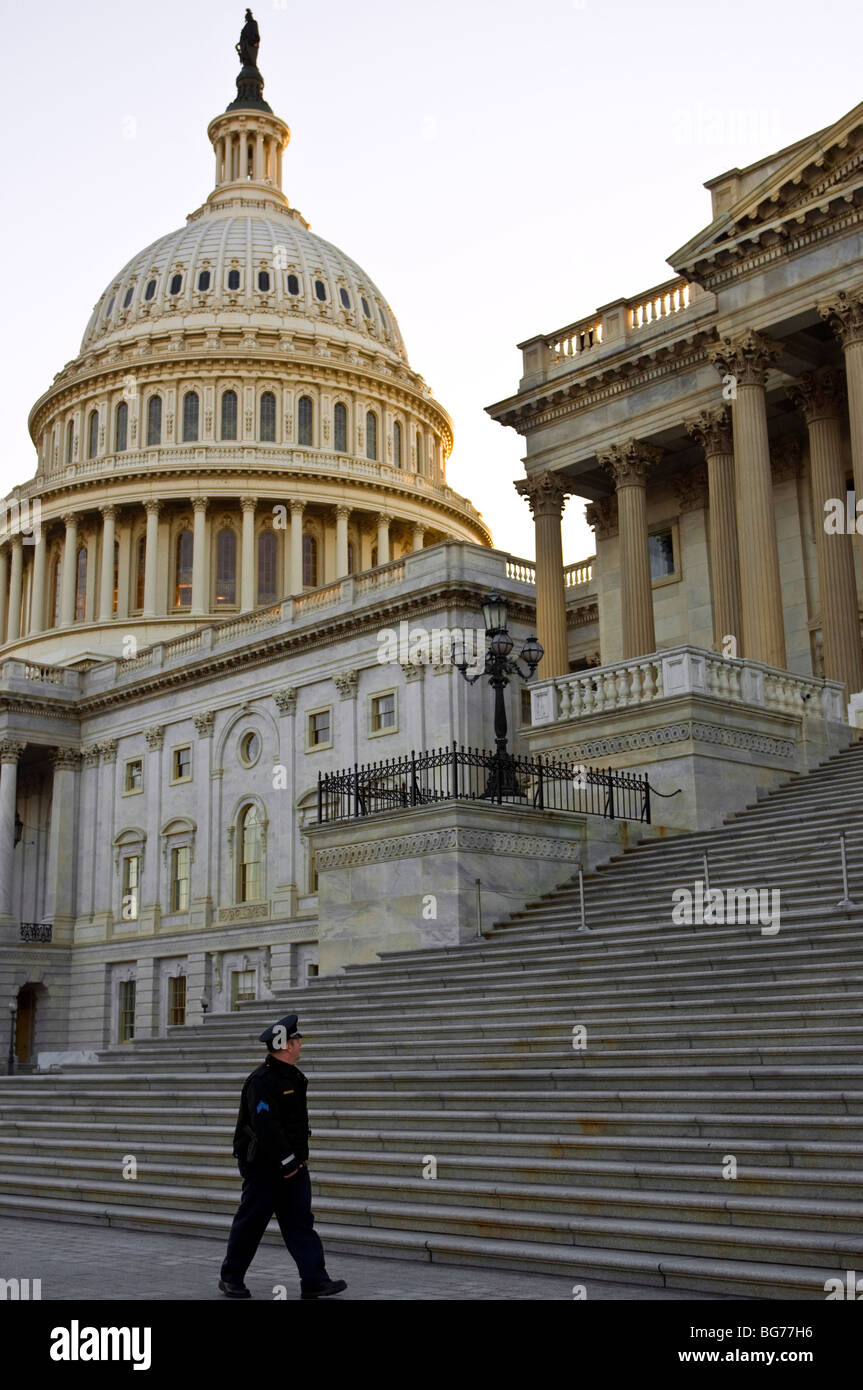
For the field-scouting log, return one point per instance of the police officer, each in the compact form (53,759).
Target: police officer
(271,1144)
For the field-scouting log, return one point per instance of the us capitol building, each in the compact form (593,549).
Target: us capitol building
(241,483)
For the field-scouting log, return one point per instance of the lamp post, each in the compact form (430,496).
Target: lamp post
(499,668)
(13,1014)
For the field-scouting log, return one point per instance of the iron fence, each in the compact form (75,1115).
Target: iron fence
(471,774)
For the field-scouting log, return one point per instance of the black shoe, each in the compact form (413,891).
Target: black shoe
(324,1290)
(234,1290)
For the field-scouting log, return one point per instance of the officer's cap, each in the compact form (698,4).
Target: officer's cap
(286,1028)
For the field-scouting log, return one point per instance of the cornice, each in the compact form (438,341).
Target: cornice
(749,253)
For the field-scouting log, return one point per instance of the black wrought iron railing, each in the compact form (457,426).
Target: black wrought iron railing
(36,931)
(470,774)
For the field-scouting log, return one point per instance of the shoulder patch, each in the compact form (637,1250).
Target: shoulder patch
(262,1105)
(287,1093)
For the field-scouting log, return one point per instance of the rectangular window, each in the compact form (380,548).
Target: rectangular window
(383,712)
(134,781)
(126,1020)
(319,728)
(180,879)
(660,548)
(182,765)
(177,999)
(525,706)
(313,872)
(242,986)
(131,874)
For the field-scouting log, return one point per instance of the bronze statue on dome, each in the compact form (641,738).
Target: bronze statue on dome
(250,41)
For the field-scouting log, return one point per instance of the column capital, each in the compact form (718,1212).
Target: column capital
(601,515)
(200,504)
(153,506)
(66,759)
(818,395)
(69,519)
(155,737)
(248,504)
(91,752)
(347,683)
(712,430)
(630,463)
(204,723)
(297,507)
(343,513)
(844,314)
(109,511)
(747,358)
(383,518)
(690,488)
(109,750)
(286,700)
(545,493)
(10,752)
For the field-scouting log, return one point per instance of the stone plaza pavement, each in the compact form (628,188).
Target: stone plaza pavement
(82,1262)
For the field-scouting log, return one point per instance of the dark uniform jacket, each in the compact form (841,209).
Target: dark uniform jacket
(273,1107)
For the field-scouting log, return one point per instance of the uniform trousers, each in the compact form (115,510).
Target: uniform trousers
(290,1199)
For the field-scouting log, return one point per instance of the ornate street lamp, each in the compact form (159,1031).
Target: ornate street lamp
(499,668)
(13,1014)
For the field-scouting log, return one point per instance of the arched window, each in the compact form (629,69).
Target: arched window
(55,589)
(305,420)
(140,571)
(93,435)
(121,428)
(226,567)
(70,440)
(340,429)
(116,597)
(267,551)
(352,569)
(264,281)
(176,284)
(374,557)
(420,465)
(233,279)
(229,414)
(293,284)
(371,435)
(183,584)
(81,584)
(204,280)
(127,297)
(150,290)
(268,418)
(320,289)
(249,885)
(310,562)
(191,416)
(345,298)
(397,444)
(154,420)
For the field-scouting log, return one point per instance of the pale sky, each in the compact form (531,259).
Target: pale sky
(498,169)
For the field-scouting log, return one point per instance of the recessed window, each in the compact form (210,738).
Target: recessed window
(384,319)
(305,420)
(320,289)
(251,855)
(121,427)
(176,1000)
(242,986)
(191,416)
(264,280)
(182,764)
(229,415)
(126,1014)
(383,712)
(340,429)
(93,435)
(226,568)
(141,572)
(310,562)
(293,285)
(268,418)
(371,435)
(110,307)
(134,779)
(154,420)
(233,279)
(81,585)
(180,879)
(131,874)
(397,444)
(127,298)
(526,715)
(660,548)
(185,555)
(250,748)
(150,290)
(176,284)
(343,296)
(267,552)
(319,728)
(366,310)
(204,280)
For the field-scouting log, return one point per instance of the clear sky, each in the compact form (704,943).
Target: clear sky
(498,169)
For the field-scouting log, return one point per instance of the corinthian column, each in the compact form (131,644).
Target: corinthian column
(151,559)
(297,509)
(712,430)
(16,580)
(747,360)
(546,494)
(4,577)
(106,576)
(844,314)
(247,587)
(820,396)
(200,555)
(629,465)
(9,755)
(37,597)
(342,517)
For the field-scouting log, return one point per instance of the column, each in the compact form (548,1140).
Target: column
(69,570)
(419,536)
(820,397)
(9,755)
(247,587)
(242,157)
(200,556)
(151,559)
(124,568)
(712,430)
(297,509)
(383,521)
(259,155)
(90,597)
(546,493)
(747,360)
(845,316)
(13,630)
(629,465)
(37,597)
(342,517)
(4,580)
(106,574)
(60,878)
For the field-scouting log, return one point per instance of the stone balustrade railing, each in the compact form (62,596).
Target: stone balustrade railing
(580,572)
(680,671)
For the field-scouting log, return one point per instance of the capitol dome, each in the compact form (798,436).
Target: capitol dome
(241,426)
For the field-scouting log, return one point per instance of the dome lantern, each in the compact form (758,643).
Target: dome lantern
(248,139)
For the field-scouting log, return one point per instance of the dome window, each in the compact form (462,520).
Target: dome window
(371,435)
(93,435)
(268,418)
(233,279)
(320,289)
(366,310)
(340,429)
(121,427)
(264,280)
(305,421)
(397,444)
(384,319)
(176,284)
(229,416)
(293,285)
(204,280)
(345,298)
(267,555)
(110,307)
(150,290)
(191,415)
(226,568)
(127,298)
(154,421)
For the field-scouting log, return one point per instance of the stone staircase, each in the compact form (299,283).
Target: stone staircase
(703,1044)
